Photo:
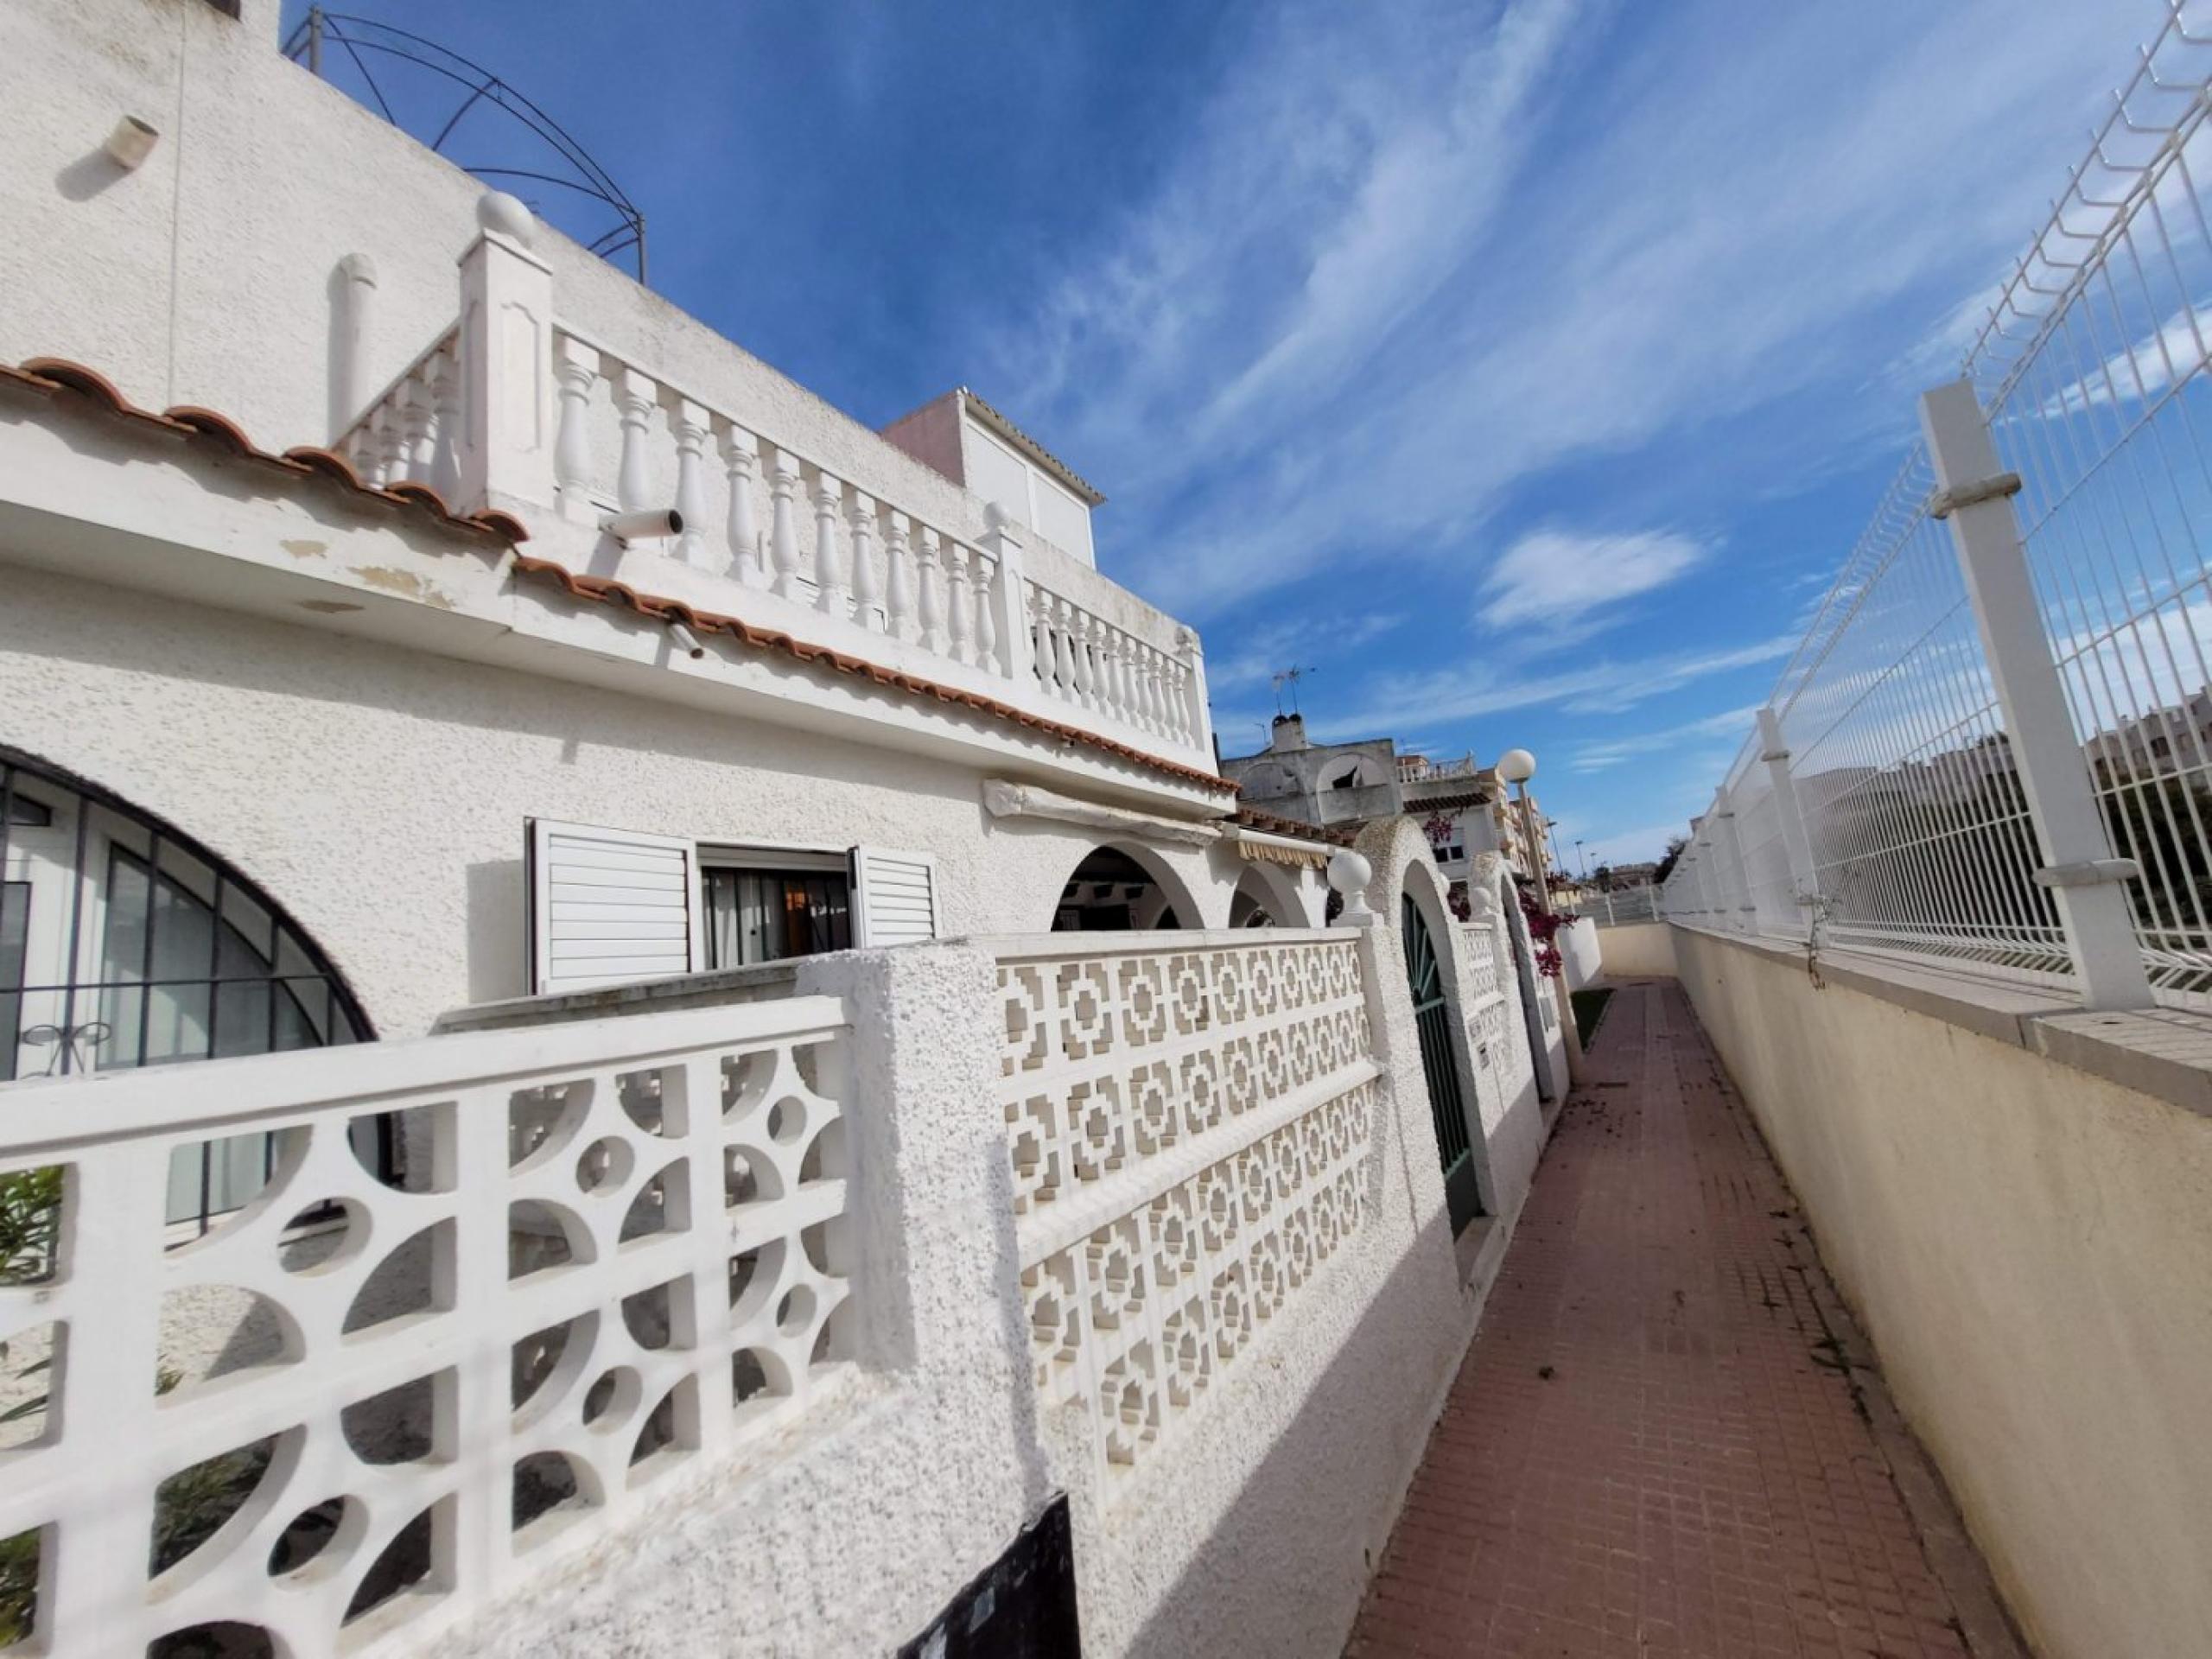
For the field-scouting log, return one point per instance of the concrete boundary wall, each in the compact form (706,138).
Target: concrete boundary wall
(2030,1247)
(1636,951)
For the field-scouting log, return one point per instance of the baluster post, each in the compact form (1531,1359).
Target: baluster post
(928,579)
(379,446)
(1105,669)
(899,596)
(959,602)
(635,394)
(868,587)
(445,424)
(1040,635)
(741,461)
(832,596)
(505,428)
(576,368)
(987,636)
(416,452)
(783,525)
(1063,647)
(1086,684)
(693,426)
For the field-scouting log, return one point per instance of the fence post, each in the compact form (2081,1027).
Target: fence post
(1735,890)
(1803,883)
(2079,866)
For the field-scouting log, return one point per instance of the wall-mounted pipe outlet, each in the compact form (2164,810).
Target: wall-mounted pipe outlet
(686,641)
(131,142)
(647,524)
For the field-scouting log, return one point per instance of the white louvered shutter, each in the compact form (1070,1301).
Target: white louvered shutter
(610,905)
(894,897)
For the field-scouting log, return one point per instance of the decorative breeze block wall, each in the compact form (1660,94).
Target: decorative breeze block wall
(615,1252)
(1186,1128)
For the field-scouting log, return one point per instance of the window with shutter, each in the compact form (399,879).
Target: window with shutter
(894,897)
(610,905)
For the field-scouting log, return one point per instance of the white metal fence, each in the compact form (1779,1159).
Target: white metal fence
(1994,744)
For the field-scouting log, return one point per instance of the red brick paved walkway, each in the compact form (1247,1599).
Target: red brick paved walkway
(1652,1449)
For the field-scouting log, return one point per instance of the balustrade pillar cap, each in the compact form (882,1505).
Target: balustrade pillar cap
(498,210)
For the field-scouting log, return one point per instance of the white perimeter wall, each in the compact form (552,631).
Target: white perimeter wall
(380,793)
(1636,951)
(2031,1249)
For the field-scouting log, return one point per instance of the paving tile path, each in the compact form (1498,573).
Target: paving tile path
(1655,1448)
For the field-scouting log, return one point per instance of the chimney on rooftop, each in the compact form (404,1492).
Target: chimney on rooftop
(1289,733)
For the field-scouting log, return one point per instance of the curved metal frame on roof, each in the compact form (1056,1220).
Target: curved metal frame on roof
(319,31)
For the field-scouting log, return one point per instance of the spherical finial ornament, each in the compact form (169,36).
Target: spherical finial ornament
(1516,766)
(995,517)
(498,210)
(1349,872)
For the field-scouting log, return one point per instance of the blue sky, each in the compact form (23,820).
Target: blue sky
(1522,370)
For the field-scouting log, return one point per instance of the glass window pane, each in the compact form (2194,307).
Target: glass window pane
(15,931)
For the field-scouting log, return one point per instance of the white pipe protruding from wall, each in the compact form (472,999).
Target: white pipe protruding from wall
(645,524)
(354,301)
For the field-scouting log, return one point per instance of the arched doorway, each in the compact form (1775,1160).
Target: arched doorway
(1113,890)
(125,942)
(1433,1019)
(1261,902)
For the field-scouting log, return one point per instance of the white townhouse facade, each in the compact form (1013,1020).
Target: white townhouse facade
(619,973)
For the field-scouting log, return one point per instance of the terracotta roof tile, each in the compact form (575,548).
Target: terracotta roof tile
(53,374)
(606,591)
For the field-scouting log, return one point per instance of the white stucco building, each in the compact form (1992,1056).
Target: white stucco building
(624,973)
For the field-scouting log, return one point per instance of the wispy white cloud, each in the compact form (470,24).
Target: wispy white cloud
(1306,642)
(1403,264)
(1395,704)
(1607,752)
(1558,577)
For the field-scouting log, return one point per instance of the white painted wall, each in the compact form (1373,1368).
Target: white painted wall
(211,275)
(1578,952)
(379,792)
(2028,1246)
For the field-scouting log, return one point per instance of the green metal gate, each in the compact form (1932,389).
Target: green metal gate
(1432,1018)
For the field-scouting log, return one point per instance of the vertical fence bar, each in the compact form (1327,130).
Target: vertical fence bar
(1804,882)
(1735,890)
(2079,868)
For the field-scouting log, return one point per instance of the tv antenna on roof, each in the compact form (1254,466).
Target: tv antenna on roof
(1290,676)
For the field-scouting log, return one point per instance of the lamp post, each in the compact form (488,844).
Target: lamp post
(1516,767)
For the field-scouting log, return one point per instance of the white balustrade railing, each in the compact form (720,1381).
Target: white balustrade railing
(1185,1123)
(615,1251)
(776,521)
(766,515)
(516,411)
(411,432)
(1084,661)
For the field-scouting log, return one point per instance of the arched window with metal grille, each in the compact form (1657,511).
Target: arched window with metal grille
(125,942)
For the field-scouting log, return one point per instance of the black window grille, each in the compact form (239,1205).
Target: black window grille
(126,943)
